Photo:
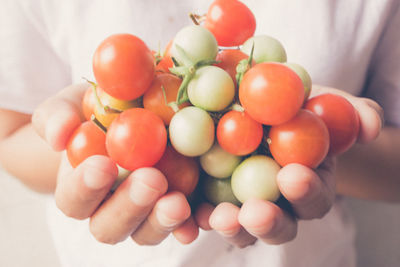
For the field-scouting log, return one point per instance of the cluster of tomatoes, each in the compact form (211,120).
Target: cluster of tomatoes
(231,116)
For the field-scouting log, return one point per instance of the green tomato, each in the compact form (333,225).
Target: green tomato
(198,43)
(304,76)
(255,177)
(192,131)
(266,49)
(219,163)
(211,89)
(219,190)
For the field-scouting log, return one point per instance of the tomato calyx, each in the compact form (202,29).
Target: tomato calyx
(187,72)
(243,66)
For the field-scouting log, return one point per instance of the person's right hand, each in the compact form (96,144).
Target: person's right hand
(140,206)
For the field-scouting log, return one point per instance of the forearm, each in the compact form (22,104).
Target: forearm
(26,156)
(371,171)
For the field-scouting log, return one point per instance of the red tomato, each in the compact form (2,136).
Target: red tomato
(181,172)
(271,93)
(238,133)
(304,139)
(123,66)
(136,138)
(154,100)
(229,59)
(166,62)
(87,140)
(88,103)
(230,21)
(340,117)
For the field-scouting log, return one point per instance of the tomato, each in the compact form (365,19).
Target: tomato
(238,133)
(166,62)
(198,44)
(340,117)
(218,162)
(211,89)
(304,76)
(107,117)
(219,190)
(192,131)
(255,177)
(88,104)
(123,66)
(228,61)
(231,22)
(304,140)
(266,49)
(182,172)
(87,140)
(136,138)
(154,99)
(271,93)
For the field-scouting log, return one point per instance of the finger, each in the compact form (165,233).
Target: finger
(79,191)
(119,216)
(187,232)
(170,211)
(266,221)
(56,118)
(202,216)
(310,192)
(371,119)
(224,219)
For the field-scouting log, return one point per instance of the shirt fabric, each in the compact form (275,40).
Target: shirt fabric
(351,45)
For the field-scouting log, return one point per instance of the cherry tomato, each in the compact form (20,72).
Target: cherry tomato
(123,66)
(166,62)
(304,139)
(181,172)
(136,138)
(228,61)
(192,131)
(116,105)
(266,49)
(340,117)
(238,133)
(88,103)
(87,140)
(271,93)
(255,177)
(304,76)
(211,89)
(219,190)
(219,163)
(154,99)
(231,22)
(198,44)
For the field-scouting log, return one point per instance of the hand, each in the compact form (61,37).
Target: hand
(140,207)
(311,193)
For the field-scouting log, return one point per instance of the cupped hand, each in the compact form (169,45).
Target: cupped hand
(139,208)
(310,192)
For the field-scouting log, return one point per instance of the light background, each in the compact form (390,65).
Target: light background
(25,241)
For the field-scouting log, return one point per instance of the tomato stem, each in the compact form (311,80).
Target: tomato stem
(98,123)
(194,17)
(243,66)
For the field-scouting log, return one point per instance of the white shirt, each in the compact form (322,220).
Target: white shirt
(351,45)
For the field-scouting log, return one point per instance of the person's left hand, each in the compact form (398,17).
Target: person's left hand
(311,192)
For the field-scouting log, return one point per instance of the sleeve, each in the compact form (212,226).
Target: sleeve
(30,70)
(383,82)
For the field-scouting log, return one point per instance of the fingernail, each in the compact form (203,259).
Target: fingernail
(96,179)
(142,194)
(166,221)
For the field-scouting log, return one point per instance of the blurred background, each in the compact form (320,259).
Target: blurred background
(25,240)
